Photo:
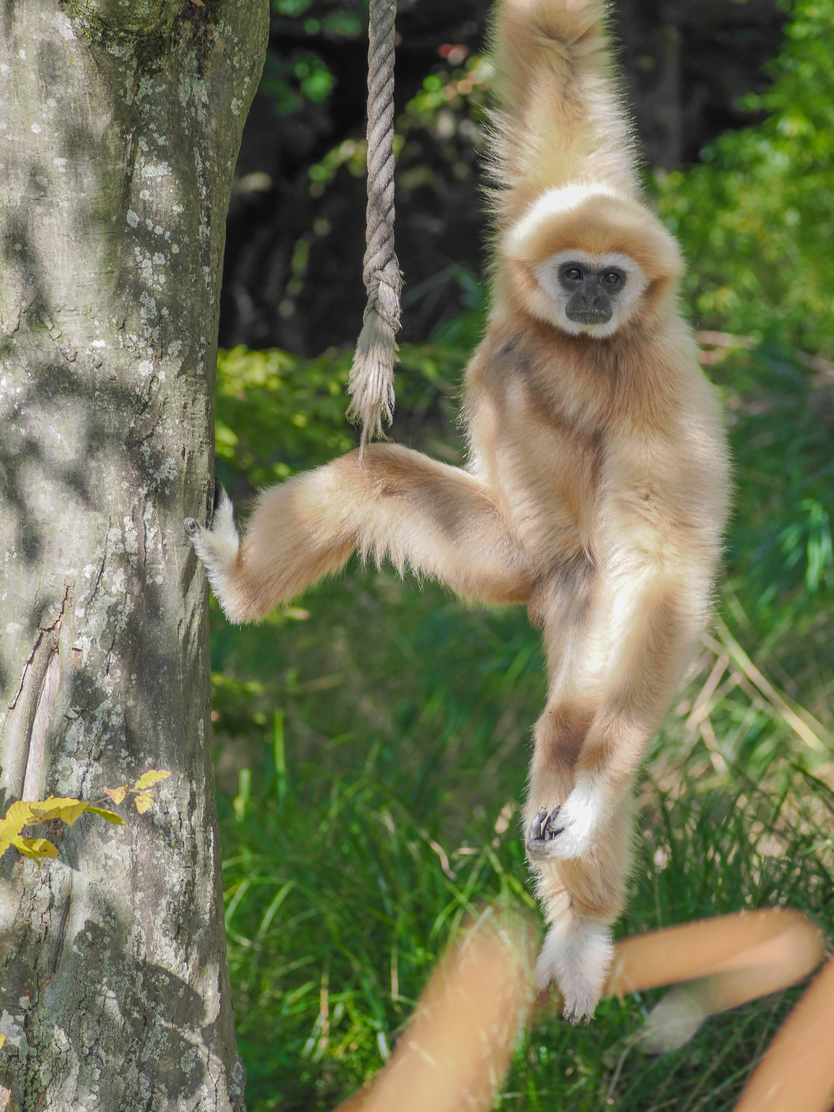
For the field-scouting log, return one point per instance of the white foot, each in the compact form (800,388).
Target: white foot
(217,549)
(577,954)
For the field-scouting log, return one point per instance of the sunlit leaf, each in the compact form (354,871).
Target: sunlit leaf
(35,848)
(151,777)
(67,810)
(143,801)
(19,814)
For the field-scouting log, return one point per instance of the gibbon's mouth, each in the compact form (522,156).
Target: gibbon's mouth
(589,316)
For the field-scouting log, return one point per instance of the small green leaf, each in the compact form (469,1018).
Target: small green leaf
(111,816)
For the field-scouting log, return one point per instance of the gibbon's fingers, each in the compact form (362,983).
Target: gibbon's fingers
(455,1050)
(543,829)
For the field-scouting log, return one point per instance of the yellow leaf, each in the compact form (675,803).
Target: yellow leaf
(151,777)
(116,794)
(111,816)
(19,814)
(144,802)
(2,1039)
(42,846)
(36,848)
(68,810)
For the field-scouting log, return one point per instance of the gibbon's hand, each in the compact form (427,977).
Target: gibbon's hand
(568,831)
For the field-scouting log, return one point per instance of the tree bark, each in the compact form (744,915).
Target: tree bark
(119,127)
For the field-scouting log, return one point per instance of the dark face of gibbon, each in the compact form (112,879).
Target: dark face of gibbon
(592,292)
(588,294)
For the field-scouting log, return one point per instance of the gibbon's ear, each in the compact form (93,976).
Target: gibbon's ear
(598,222)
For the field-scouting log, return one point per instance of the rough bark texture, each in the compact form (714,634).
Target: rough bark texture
(119,126)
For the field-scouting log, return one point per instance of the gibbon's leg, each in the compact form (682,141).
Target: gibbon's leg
(390,502)
(615,663)
(581,900)
(613,675)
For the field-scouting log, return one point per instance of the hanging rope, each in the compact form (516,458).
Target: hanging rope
(371,384)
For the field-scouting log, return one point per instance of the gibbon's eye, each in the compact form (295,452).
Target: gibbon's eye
(573,273)
(611,278)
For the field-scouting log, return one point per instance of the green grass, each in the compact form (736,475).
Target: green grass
(377,812)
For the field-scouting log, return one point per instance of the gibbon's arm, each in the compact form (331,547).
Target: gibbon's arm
(389,502)
(560,119)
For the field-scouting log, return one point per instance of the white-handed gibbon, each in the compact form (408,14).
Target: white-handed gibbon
(596,487)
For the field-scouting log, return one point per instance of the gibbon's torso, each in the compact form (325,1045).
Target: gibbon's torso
(613,436)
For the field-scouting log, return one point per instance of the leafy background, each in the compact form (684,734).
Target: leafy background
(372,739)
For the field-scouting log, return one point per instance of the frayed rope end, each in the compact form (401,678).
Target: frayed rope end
(371,382)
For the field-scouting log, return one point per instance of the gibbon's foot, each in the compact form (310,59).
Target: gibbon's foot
(577,954)
(218,549)
(192,527)
(217,546)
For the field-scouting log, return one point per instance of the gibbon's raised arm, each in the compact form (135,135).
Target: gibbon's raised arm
(596,489)
(559,118)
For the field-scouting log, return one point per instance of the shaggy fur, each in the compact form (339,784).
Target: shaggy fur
(596,488)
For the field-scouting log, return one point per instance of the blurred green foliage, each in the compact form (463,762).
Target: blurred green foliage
(373,739)
(757,219)
(304,75)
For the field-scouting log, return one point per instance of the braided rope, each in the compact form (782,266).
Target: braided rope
(371,384)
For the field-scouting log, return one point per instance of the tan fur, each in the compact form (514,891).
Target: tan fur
(596,490)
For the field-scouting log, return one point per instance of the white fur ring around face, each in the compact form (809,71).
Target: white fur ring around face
(568,831)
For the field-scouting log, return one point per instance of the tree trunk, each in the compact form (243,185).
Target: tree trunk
(120,122)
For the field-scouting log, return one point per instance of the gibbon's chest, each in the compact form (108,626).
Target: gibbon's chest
(543,464)
(562,443)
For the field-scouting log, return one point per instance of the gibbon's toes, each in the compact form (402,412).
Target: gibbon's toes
(543,829)
(577,1018)
(191,527)
(580,996)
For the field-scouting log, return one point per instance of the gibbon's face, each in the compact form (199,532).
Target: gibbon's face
(591,295)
